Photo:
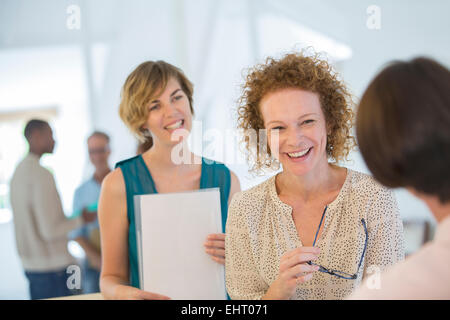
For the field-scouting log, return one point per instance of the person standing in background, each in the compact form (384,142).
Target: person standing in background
(40,225)
(85,201)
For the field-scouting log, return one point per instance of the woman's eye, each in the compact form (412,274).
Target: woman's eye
(154,107)
(308,121)
(277,128)
(177,98)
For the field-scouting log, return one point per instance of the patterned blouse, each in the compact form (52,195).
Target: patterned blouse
(260,230)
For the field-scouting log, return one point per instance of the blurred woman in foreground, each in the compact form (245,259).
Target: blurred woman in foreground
(403,130)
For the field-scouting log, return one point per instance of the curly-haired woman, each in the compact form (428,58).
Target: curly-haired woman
(314,230)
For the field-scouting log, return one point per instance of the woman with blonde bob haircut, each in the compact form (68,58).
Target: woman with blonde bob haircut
(156,104)
(314,229)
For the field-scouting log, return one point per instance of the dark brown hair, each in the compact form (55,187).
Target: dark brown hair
(32,126)
(403,127)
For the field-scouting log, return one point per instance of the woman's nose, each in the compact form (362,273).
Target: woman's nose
(294,137)
(170,110)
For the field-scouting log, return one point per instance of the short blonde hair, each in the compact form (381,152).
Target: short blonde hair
(297,70)
(145,83)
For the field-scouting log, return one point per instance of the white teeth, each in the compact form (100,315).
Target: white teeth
(298,154)
(176,125)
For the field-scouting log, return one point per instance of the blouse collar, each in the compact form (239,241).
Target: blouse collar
(288,209)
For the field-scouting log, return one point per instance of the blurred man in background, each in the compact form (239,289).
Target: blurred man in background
(85,202)
(41,227)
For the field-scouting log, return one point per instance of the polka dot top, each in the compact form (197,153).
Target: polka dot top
(260,230)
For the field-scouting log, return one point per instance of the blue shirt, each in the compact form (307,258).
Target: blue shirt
(86,195)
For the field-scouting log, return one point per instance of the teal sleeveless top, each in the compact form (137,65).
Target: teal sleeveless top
(138,181)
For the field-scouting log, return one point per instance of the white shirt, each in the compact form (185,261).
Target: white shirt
(40,224)
(423,275)
(260,230)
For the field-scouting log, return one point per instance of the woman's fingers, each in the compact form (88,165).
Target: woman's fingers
(145,295)
(304,278)
(299,250)
(216,236)
(215,244)
(300,270)
(216,252)
(220,260)
(215,247)
(215,240)
(297,259)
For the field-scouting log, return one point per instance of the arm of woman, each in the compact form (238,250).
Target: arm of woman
(215,243)
(112,214)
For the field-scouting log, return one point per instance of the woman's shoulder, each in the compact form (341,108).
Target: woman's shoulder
(363,183)
(114,182)
(367,194)
(127,162)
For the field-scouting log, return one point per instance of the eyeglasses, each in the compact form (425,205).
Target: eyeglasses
(337,273)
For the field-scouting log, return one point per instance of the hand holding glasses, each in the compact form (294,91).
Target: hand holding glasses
(337,273)
(296,267)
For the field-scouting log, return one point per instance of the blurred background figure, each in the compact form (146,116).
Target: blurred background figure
(85,203)
(40,225)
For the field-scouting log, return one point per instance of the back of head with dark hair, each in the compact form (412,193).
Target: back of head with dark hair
(33,125)
(403,127)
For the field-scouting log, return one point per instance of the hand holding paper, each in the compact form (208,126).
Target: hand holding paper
(170,230)
(215,247)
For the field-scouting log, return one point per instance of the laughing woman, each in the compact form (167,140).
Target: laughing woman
(315,229)
(156,102)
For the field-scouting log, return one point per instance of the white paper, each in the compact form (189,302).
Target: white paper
(171,229)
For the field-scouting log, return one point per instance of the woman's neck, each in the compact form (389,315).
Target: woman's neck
(322,179)
(163,156)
